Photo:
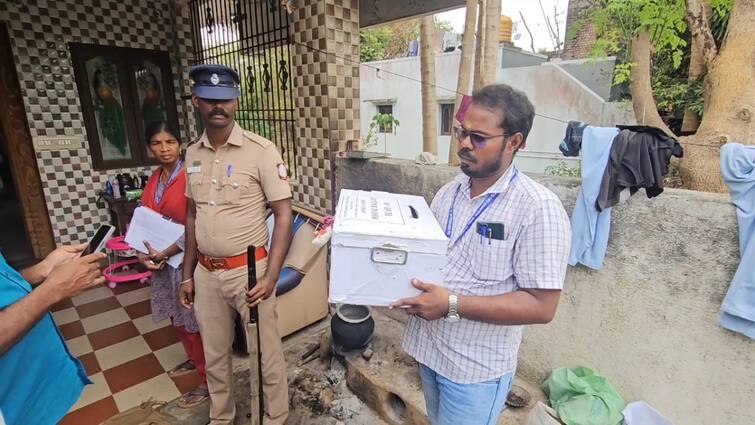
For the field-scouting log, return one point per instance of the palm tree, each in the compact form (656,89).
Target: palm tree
(465,72)
(427,67)
(492,43)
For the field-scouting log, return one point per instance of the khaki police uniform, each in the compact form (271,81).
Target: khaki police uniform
(230,187)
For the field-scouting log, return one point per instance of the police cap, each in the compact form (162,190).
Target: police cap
(216,82)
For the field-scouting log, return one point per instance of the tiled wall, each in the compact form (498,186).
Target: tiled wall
(326,84)
(326,80)
(40,32)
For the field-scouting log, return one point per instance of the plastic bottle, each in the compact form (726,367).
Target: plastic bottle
(116,189)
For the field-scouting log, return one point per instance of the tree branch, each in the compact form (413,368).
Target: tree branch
(697,20)
(547,23)
(532,39)
(558,29)
(643,103)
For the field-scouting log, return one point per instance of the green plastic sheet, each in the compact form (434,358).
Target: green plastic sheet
(582,397)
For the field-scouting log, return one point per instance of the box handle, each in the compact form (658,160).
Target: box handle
(388,255)
(414,212)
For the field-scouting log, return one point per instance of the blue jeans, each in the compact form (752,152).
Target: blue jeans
(449,403)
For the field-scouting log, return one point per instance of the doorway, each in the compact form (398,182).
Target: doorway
(26,234)
(14,242)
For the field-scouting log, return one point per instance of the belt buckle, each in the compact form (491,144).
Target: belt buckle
(217,263)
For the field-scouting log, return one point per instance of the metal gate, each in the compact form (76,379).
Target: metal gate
(251,36)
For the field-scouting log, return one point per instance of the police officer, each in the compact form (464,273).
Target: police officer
(233,177)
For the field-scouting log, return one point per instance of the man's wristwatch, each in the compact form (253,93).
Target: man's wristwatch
(453,309)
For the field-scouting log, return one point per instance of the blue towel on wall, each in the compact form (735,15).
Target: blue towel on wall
(590,228)
(738,170)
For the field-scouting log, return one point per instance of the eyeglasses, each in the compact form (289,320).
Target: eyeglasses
(478,140)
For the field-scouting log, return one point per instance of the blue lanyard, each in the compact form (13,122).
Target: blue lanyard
(489,199)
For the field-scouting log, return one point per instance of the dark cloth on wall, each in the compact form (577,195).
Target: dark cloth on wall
(639,159)
(572,142)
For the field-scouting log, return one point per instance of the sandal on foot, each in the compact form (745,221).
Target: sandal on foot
(194,397)
(182,369)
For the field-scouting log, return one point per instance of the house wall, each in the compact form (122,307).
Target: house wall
(512,57)
(648,320)
(40,34)
(557,95)
(597,74)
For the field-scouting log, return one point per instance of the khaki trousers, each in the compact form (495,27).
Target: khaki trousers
(218,296)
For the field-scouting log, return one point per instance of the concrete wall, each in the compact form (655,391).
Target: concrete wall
(597,74)
(557,95)
(515,58)
(648,320)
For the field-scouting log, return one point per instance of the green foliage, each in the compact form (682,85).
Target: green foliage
(443,25)
(392,40)
(379,121)
(669,93)
(693,98)
(719,21)
(372,45)
(561,168)
(618,21)
(621,74)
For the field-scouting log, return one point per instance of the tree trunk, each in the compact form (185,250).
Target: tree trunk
(697,18)
(643,103)
(492,44)
(465,68)
(479,43)
(729,103)
(691,120)
(429,105)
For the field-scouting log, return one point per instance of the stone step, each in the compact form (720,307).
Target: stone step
(389,381)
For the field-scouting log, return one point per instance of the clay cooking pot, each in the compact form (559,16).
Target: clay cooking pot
(352,326)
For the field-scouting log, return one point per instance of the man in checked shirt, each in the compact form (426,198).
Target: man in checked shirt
(508,250)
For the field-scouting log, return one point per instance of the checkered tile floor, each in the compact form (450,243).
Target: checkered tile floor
(124,352)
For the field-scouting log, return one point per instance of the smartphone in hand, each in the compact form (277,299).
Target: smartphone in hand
(97,243)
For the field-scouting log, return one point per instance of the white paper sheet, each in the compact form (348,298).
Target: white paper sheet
(148,225)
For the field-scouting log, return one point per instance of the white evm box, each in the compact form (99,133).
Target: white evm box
(380,242)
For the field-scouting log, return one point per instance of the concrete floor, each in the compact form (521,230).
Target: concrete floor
(318,394)
(382,391)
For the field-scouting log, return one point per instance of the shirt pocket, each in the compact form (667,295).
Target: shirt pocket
(200,187)
(234,187)
(492,259)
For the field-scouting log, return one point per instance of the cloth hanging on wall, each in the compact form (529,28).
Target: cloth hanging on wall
(572,142)
(590,227)
(639,158)
(738,170)
(616,163)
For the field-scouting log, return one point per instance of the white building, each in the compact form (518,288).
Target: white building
(561,91)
